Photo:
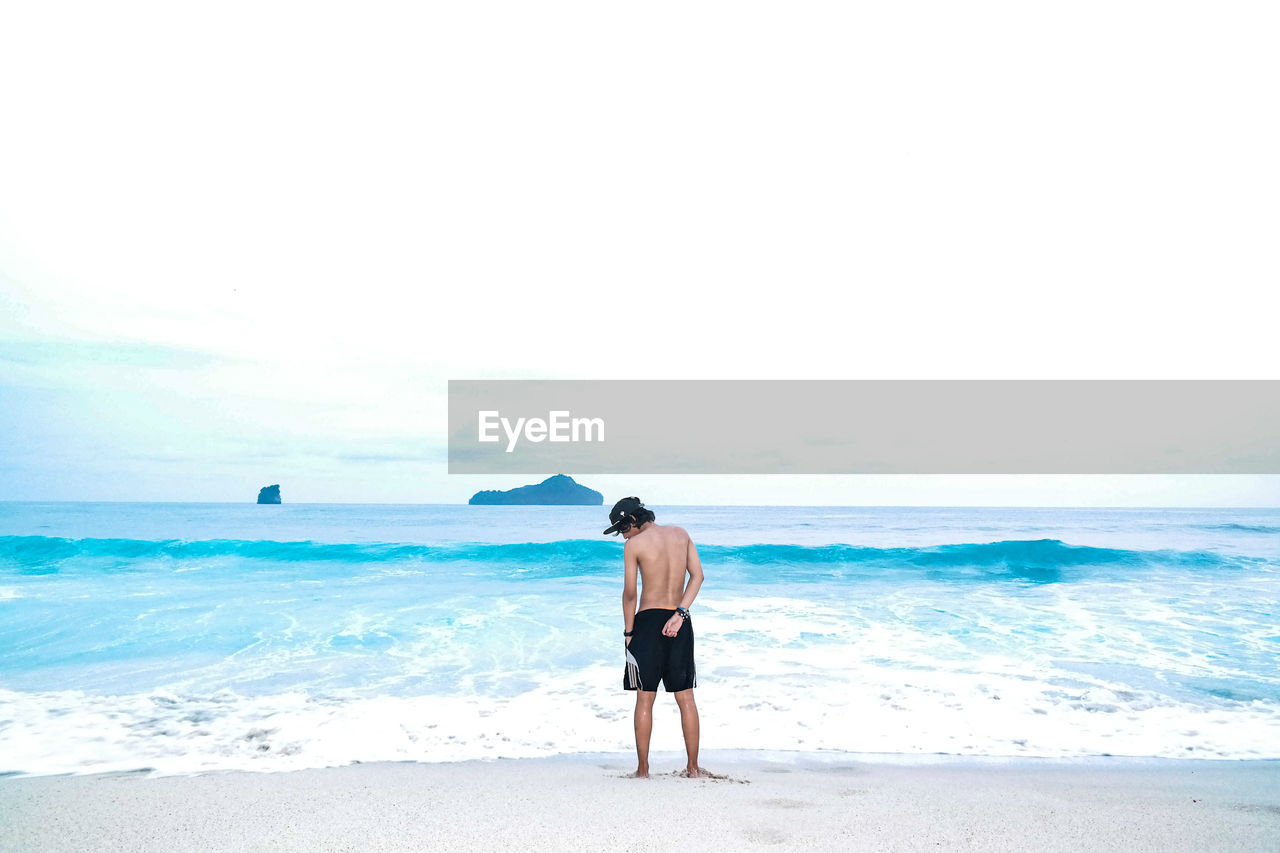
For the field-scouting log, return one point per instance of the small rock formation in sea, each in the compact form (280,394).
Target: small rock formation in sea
(269,494)
(553,491)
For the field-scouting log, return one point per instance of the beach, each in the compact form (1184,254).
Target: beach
(765,801)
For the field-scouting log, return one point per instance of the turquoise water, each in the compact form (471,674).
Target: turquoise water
(195,636)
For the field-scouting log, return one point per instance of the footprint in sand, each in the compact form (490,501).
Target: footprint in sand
(763,836)
(784,803)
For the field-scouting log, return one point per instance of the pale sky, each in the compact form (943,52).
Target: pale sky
(249,243)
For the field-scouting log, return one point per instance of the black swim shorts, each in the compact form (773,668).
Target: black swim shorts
(653,657)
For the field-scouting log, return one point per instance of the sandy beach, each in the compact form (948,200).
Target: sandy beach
(828,802)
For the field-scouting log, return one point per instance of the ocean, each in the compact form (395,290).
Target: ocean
(180,638)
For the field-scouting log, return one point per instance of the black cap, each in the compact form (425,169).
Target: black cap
(623,513)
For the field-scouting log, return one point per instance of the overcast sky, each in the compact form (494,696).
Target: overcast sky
(249,243)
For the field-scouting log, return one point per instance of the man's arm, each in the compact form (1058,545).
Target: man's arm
(629,596)
(693,566)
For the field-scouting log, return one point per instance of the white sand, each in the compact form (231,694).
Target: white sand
(824,802)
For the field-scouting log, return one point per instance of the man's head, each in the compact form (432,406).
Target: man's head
(628,516)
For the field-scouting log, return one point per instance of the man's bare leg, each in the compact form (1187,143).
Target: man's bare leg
(644,728)
(689,723)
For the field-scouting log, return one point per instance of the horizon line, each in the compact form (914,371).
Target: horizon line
(752,506)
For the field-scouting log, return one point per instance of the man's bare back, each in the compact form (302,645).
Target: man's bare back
(662,552)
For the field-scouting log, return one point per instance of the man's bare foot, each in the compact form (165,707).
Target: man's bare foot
(696,772)
(642,772)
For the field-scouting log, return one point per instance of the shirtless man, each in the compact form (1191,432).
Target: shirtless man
(659,636)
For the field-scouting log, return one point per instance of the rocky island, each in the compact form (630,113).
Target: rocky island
(269,494)
(559,490)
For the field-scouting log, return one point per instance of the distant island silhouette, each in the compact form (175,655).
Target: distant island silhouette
(269,494)
(559,490)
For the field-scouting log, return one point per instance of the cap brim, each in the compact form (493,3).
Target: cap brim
(612,529)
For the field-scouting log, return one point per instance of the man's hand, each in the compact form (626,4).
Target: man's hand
(673,625)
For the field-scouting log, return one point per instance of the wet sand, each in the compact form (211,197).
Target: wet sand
(765,801)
